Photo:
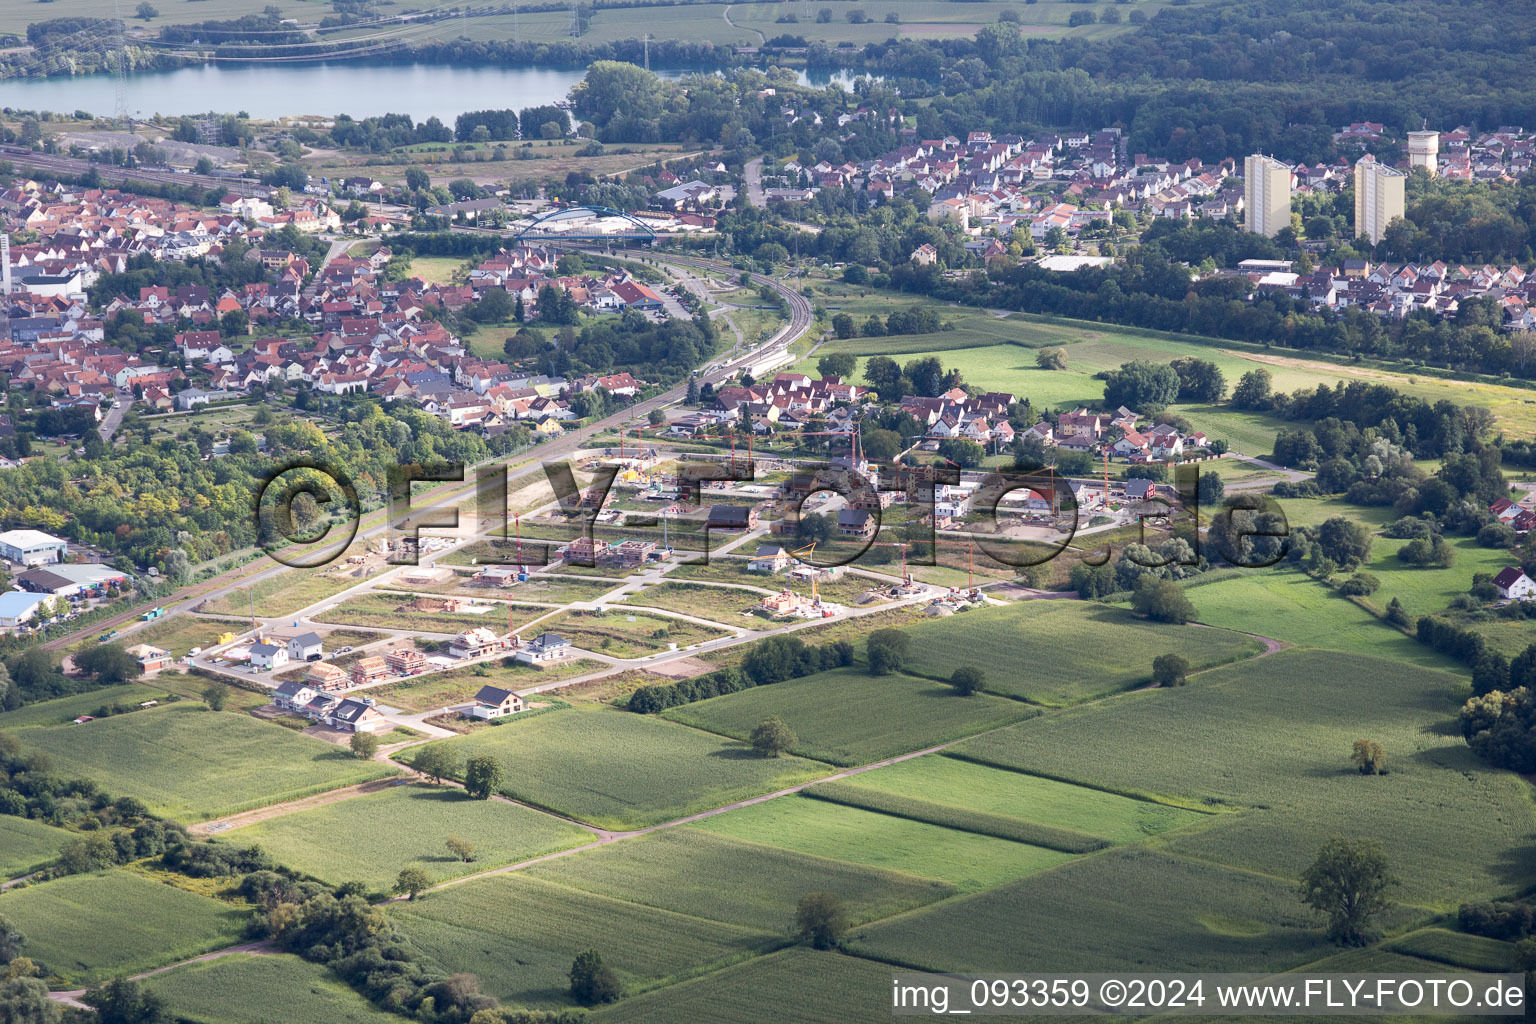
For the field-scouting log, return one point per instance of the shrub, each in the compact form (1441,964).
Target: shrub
(1361,584)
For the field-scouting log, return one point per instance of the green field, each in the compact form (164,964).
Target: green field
(555,590)
(176,633)
(275,989)
(698,873)
(828,988)
(614,634)
(1273,737)
(999,354)
(370,838)
(1423,590)
(519,935)
(1457,949)
(1126,909)
(288,591)
(88,928)
(975,787)
(189,763)
(848,717)
(963,859)
(27,845)
(1061,652)
(726,605)
(1289,605)
(617,769)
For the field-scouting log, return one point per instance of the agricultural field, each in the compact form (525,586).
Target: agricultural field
(1271,739)
(1186,914)
(455,686)
(394,611)
(1026,798)
(88,928)
(695,872)
(1289,605)
(1472,952)
(63,710)
(190,763)
(371,838)
(519,934)
(26,845)
(847,717)
(1062,652)
(966,860)
(616,769)
(829,988)
(1421,589)
(620,633)
(272,989)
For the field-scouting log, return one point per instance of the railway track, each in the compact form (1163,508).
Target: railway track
(23,157)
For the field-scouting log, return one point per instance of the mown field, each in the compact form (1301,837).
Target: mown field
(88,928)
(1272,737)
(616,769)
(289,591)
(189,763)
(847,717)
(371,838)
(520,934)
(63,710)
(1061,652)
(1126,909)
(1029,798)
(698,873)
(721,604)
(26,845)
(828,988)
(621,633)
(966,860)
(273,989)
(1289,605)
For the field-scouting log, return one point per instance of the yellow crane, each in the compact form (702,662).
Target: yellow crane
(810,551)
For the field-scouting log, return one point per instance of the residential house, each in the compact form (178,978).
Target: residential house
(732,517)
(546,647)
(368,670)
(353,715)
(324,677)
(306,647)
(769,558)
(269,656)
(293,695)
(1515,585)
(492,702)
(405,661)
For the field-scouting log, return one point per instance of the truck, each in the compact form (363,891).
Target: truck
(153,613)
(108,635)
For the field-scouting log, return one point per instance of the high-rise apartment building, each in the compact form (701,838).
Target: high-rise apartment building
(1378,197)
(1266,195)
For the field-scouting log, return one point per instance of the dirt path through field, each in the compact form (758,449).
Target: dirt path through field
(332,796)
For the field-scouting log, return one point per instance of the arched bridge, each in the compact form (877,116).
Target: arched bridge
(587,224)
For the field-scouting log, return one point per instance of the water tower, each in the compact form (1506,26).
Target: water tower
(1423,148)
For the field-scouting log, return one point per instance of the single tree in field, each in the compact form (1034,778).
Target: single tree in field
(11,941)
(436,762)
(121,1000)
(820,920)
(147,11)
(1170,670)
(482,776)
(1348,882)
(461,848)
(1162,601)
(1369,758)
(772,737)
(967,679)
(1051,359)
(887,651)
(592,981)
(412,882)
(215,694)
(364,745)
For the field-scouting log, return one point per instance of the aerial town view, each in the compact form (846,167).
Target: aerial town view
(766,512)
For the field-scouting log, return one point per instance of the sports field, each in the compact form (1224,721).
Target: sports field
(519,935)
(616,769)
(848,717)
(697,872)
(88,928)
(1271,738)
(1061,652)
(371,838)
(190,763)
(271,989)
